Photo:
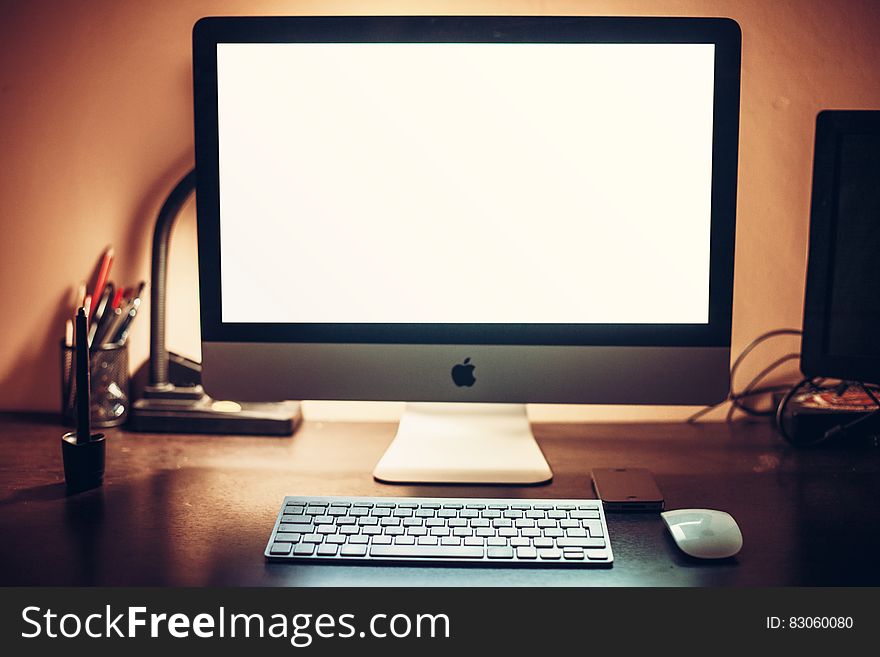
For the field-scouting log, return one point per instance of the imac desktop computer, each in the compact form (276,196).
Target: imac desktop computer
(467,214)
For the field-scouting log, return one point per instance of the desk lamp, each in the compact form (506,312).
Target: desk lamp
(183,406)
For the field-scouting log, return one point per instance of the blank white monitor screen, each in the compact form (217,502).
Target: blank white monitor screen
(465,183)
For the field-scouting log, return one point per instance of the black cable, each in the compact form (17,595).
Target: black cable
(736,397)
(780,410)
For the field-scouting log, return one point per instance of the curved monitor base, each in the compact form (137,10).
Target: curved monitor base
(464,444)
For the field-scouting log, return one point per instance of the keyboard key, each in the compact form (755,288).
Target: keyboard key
(553,532)
(326,529)
(407,505)
(589,507)
(384,505)
(526,553)
(359,511)
(354,550)
(439,531)
(428,551)
(521,506)
(393,531)
(513,514)
(543,524)
(479,522)
(335,539)
(297,528)
(413,522)
(474,540)
(402,540)
(550,554)
(327,550)
(535,514)
(474,506)
(429,505)
(282,549)
(580,542)
(425,513)
(508,531)
(498,506)
(447,513)
(462,531)
(294,509)
(360,539)
(457,522)
(417,531)
(337,511)
(469,513)
(346,520)
(573,554)
(556,515)
(363,504)
(531,532)
(350,529)
(524,522)
(585,515)
(372,530)
(499,552)
(491,513)
(435,522)
(597,555)
(389,522)
(427,540)
(452,505)
(520,541)
(382,540)
(402,513)
(593,527)
(567,524)
(284,537)
(502,522)
(313,510)
(380,512)
(450,540)
(565,507)
(303,549)
(300,519)
(578,531)
(484,531)
(368,520)
(542,507)
(312,538)
(543,542)
(496,541)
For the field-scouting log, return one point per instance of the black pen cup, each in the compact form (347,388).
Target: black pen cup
(109,383)
(83,462)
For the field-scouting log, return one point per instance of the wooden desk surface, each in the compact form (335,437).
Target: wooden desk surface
(197,510)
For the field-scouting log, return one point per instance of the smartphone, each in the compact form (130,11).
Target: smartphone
(627,489)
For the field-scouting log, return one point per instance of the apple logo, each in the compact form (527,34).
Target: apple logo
(463,373)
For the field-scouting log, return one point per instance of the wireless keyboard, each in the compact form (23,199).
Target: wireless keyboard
(509,532)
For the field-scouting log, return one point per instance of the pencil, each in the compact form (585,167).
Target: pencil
(103,273)
(83,428)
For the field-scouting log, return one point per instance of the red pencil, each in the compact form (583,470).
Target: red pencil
(117,298)
(103,273)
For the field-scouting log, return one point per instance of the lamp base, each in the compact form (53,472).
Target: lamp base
(187,409)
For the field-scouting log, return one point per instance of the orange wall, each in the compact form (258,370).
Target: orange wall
(96,125)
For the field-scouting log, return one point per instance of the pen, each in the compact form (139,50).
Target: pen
(68,333)
(101,281)
(100,311)
(124,327)
(83,429)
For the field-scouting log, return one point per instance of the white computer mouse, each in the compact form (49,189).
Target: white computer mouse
(704,533)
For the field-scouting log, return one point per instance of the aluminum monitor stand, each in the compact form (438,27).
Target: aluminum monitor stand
(464,444)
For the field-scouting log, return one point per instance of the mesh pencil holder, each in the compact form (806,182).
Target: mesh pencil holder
(109,379)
